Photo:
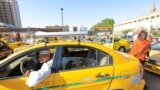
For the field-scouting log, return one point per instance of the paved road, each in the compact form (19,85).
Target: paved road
(152,81)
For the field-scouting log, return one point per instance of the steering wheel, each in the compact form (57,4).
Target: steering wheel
(26,65)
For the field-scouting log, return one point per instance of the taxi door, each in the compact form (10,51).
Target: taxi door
(19,83)
(16,81)
(13,83)
(92,76)
(116,43)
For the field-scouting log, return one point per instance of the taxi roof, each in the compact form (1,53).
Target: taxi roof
(111,52)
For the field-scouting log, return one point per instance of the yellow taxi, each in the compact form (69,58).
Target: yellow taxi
(77,65)
(153,64)
(13,44)
(114,42)
(16,44)
(4,50)
(50,39)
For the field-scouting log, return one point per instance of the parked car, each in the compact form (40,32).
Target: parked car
(114,42)
(13,44)
(129,38)
(153,65)
(76,65)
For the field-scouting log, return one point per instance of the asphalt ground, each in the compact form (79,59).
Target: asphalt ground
(152,81)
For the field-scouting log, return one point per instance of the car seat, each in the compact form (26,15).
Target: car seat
(91,54)
(70,65)
(104,61)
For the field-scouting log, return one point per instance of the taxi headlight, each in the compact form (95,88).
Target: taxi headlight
(136,79)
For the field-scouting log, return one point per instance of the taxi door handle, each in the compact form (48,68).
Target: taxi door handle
(102,75)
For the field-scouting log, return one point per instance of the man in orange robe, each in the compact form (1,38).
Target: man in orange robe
(141,47)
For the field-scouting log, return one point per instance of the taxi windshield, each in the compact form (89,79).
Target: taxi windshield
(108,40)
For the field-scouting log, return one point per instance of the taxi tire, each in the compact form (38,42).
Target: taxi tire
(122,49)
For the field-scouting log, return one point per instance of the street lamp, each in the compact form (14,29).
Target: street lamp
(62,18)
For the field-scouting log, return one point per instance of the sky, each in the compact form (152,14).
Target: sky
(41,13)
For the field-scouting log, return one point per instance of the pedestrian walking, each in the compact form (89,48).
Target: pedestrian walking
(141,47)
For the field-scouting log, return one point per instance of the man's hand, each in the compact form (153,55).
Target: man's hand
(27,73)
(147,59)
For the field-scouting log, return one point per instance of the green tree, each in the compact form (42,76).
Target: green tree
(155,33)
(106,24)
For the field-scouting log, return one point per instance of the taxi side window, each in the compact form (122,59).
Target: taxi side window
(108,40)
(29,60)
(116,39)
(84,57)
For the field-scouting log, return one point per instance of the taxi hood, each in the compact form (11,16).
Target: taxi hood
(154,55)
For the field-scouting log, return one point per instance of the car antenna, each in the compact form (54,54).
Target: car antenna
(78,40)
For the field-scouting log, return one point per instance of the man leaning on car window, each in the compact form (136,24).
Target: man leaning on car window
(36,77)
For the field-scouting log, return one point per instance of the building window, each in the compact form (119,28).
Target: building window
(146,18)
(135,21)
(75,29)
(152,17)
(157,15)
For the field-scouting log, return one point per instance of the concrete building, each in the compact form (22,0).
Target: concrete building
(149,21)
(3,25)
(9,13)
(66,28)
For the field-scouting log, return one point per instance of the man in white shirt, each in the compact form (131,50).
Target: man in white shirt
(36,77)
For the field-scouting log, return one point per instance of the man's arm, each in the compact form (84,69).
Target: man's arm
(38,76)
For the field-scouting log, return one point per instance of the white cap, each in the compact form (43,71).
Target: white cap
(139,29)
(43,52)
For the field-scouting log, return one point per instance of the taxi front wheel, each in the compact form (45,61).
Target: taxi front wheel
(121,49)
